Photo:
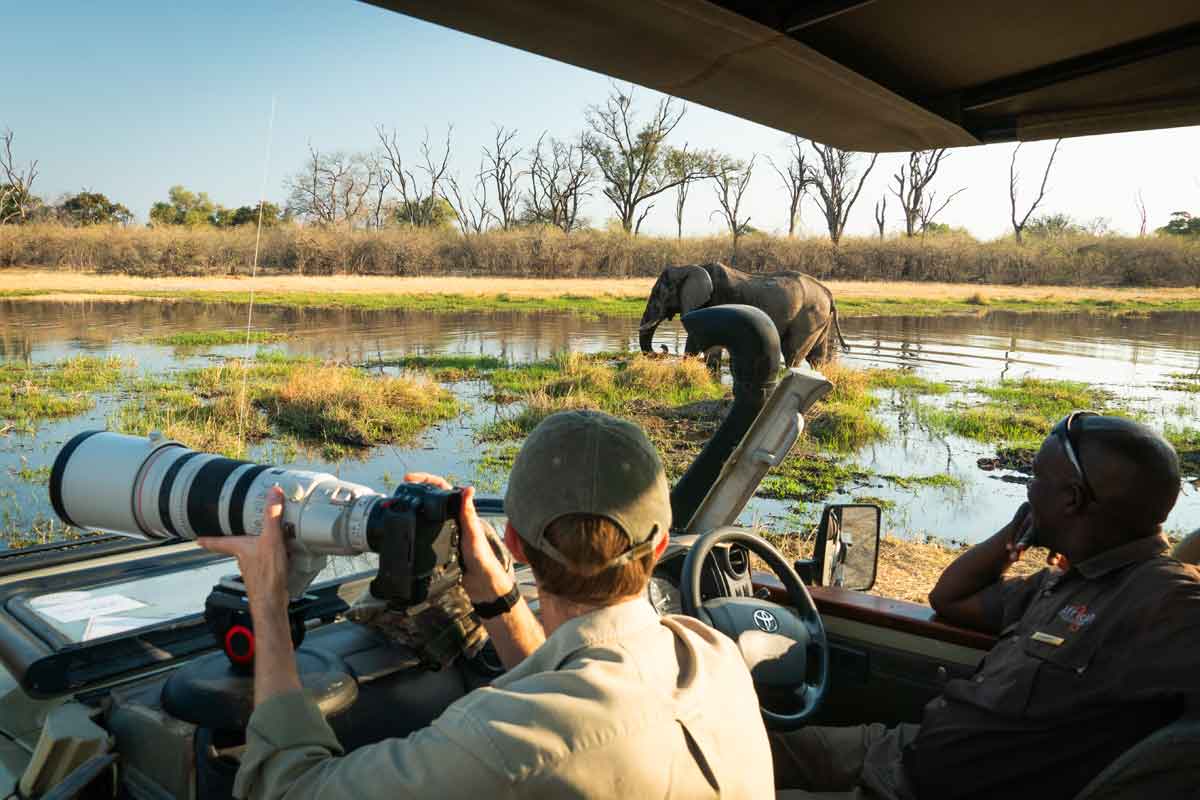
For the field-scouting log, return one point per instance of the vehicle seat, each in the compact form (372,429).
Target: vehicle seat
(1164,764)
(1187,549)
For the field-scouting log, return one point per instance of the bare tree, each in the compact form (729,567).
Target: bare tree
(834,179)
(473,211)
(681,193)
(420,201)
(500,169)
(731,178)
(1013,180)
(331,188)
(797,178)
(633,160)
(559,177)
(16,192)
(881,214)
(1141,207)
(930,207)
(912,182)
(382,180)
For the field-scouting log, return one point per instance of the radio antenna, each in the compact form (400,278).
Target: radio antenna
(243,408)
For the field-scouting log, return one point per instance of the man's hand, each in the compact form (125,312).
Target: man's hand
(485,576)
(958,595)
(262,560)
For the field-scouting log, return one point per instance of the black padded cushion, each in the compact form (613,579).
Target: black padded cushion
(208,693)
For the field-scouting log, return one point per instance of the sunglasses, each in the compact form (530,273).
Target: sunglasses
(1064,433)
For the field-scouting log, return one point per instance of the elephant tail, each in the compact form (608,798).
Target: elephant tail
(837,326)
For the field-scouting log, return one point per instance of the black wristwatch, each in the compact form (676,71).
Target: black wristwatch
(501,605)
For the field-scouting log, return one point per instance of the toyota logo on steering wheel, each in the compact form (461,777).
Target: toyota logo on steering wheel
(765,621)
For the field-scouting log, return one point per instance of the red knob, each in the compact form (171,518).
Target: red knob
(239,644)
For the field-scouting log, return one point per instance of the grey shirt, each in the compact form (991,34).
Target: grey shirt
(616,703)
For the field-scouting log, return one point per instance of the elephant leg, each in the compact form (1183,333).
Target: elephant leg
(822,352)
(712,357)
(801,343)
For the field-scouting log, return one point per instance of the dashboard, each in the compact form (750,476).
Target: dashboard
(726,573)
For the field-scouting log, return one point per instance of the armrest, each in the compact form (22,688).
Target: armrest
(899,615)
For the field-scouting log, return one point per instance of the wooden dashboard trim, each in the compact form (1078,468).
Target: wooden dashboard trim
(898,615)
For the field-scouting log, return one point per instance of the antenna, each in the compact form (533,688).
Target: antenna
(243,409)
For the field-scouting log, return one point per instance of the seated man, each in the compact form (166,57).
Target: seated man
(612,701)
(1093,653)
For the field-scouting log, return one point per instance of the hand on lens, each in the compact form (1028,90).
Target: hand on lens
(485,576)
(262,560)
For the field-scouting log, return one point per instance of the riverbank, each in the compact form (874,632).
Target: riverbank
(608,296)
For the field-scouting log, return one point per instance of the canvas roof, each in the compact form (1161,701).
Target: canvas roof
(876,75)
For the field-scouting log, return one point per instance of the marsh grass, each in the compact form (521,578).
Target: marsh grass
(30,393)
(216,338)
(449,368)
(297,402)
(843,421)
(1183,382)
(1186,441)
(1015,412)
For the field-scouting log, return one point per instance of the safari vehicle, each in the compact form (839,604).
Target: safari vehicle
(146,706)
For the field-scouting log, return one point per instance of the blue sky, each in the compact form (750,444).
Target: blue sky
(130,98)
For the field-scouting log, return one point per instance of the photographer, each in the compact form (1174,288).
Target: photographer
(603,698)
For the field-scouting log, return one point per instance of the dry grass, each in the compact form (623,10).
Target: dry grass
(541,252)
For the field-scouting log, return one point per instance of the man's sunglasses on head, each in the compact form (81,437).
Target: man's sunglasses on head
(1067,431)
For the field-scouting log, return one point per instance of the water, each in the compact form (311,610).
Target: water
(1129,356)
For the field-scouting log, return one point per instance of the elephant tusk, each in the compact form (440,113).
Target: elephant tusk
(646,326)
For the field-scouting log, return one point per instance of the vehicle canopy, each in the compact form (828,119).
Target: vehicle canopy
(876,76)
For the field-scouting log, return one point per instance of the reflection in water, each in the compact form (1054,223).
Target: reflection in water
(1131,356)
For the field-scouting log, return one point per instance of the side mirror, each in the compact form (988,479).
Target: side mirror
(846,552)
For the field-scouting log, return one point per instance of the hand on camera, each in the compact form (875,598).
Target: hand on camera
(262,560)
(485,576)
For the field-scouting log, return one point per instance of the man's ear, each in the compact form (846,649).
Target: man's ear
(512,540)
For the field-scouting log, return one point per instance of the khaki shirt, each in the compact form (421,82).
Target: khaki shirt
(1087,663)
(616,703)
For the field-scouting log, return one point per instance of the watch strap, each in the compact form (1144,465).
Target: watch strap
(501,605)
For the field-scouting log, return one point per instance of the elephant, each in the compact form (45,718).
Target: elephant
(801,307)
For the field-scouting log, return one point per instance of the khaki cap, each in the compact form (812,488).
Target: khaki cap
(588,462)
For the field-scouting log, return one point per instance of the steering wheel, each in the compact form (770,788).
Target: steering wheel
(786,650)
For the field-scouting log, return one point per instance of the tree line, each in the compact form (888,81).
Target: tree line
(628,158)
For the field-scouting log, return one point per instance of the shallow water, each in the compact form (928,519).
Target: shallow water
(1129,356)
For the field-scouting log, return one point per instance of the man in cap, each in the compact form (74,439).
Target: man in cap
(1092,655)
(603,698)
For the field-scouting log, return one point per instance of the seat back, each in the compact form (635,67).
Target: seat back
(1164,764)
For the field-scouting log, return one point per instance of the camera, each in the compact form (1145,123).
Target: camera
(154,488)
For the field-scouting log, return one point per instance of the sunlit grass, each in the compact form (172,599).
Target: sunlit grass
(30,393)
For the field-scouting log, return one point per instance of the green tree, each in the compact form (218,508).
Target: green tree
(184,208)
(93,208)
(1047,226)
(434,212)
(248,215)
(1182,224)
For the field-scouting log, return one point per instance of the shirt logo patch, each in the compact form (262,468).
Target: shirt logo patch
(1077,616)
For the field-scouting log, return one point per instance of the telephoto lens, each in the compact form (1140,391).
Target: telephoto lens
(155,488)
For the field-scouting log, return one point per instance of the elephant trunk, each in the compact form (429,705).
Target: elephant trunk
(754,355)
(650,319)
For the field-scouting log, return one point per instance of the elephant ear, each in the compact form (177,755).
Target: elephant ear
(696,289)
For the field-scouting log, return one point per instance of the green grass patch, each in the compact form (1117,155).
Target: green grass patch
(905,382)
(30,393)
(1186,441)
(806,477)
(450,368)
(939,480)
(214,338)
(1183,382)
(843,421)
(301,402)
(36,475)
(1015,412)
